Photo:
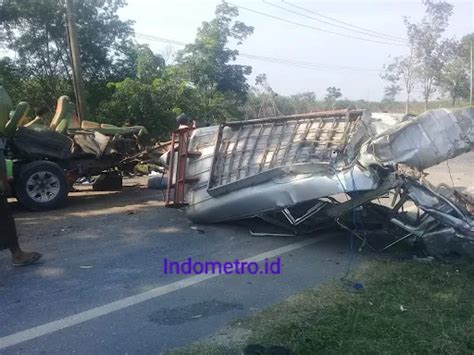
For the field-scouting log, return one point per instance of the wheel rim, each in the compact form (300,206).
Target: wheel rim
(43,186)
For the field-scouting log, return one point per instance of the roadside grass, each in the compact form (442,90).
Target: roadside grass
(404,307)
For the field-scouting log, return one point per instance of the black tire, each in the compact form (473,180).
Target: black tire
(41,186)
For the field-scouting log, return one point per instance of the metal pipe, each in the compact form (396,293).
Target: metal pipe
(319,114)
(470,94)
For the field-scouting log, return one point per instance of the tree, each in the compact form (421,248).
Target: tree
(392,75)
(454,75)
(151,96)
(304,102)
(455,80)
(35,31)
(283,105)
(425,40)
(203,82)
(427,54)
(149,65)
(332,95)
(467,48)
(207,61)
(268,107)
(401,70)
(390,92)
(10,77)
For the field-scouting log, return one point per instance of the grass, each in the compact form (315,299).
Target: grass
(403,308)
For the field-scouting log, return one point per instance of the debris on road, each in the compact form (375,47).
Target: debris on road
(157,180)
(427,260)
(305,172)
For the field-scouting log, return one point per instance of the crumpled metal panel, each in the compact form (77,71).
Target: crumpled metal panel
(92,142)
(424,141)
(441,208)
(293,178)
(251,152)
(277,193)
(380,122)
(252,168)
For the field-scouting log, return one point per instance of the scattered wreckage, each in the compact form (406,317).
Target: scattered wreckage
(305,172)
(44,161)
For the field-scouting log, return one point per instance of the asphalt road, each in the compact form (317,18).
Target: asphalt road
(106,248)
(101,288)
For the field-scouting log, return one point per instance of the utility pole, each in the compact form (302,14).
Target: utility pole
(75,59)
(470,94)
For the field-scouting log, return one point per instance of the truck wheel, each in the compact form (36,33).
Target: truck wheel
(41,186)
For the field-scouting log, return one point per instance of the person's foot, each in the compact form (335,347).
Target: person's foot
(23,258)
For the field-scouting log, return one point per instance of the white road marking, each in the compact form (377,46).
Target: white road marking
(96,312)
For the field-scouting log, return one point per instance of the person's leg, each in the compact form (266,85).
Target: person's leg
(9,237)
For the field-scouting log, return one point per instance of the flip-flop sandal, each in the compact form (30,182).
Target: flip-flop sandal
(34,258)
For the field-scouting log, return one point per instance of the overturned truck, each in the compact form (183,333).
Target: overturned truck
(303,172)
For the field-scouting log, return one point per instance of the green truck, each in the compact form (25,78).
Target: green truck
(44,161)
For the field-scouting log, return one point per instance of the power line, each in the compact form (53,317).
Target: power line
(344,23)
(308,64)
(347,28)
(313,27)
(159,39)
(290,62)
(269,59)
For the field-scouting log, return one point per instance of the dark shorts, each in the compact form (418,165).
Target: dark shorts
(8,236)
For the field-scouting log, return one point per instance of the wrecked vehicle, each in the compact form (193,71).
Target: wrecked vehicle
(300,172)
(43,162)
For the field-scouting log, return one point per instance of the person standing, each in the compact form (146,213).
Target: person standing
(8,233)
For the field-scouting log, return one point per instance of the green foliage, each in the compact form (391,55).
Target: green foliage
(304,102)
(332,95)
(149,65)
(35,31)
(10,77)
(433,62)
(307,102)
(265,102)
(207,62)
(128,83)
(425,39)
(124,82)
(153,97)
(142,103)
(391,91)
(204,83)
(453,78)
(400,71)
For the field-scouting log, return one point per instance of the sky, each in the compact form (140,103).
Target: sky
(178,20)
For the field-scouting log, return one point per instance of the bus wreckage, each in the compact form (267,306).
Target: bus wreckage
(305,172)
